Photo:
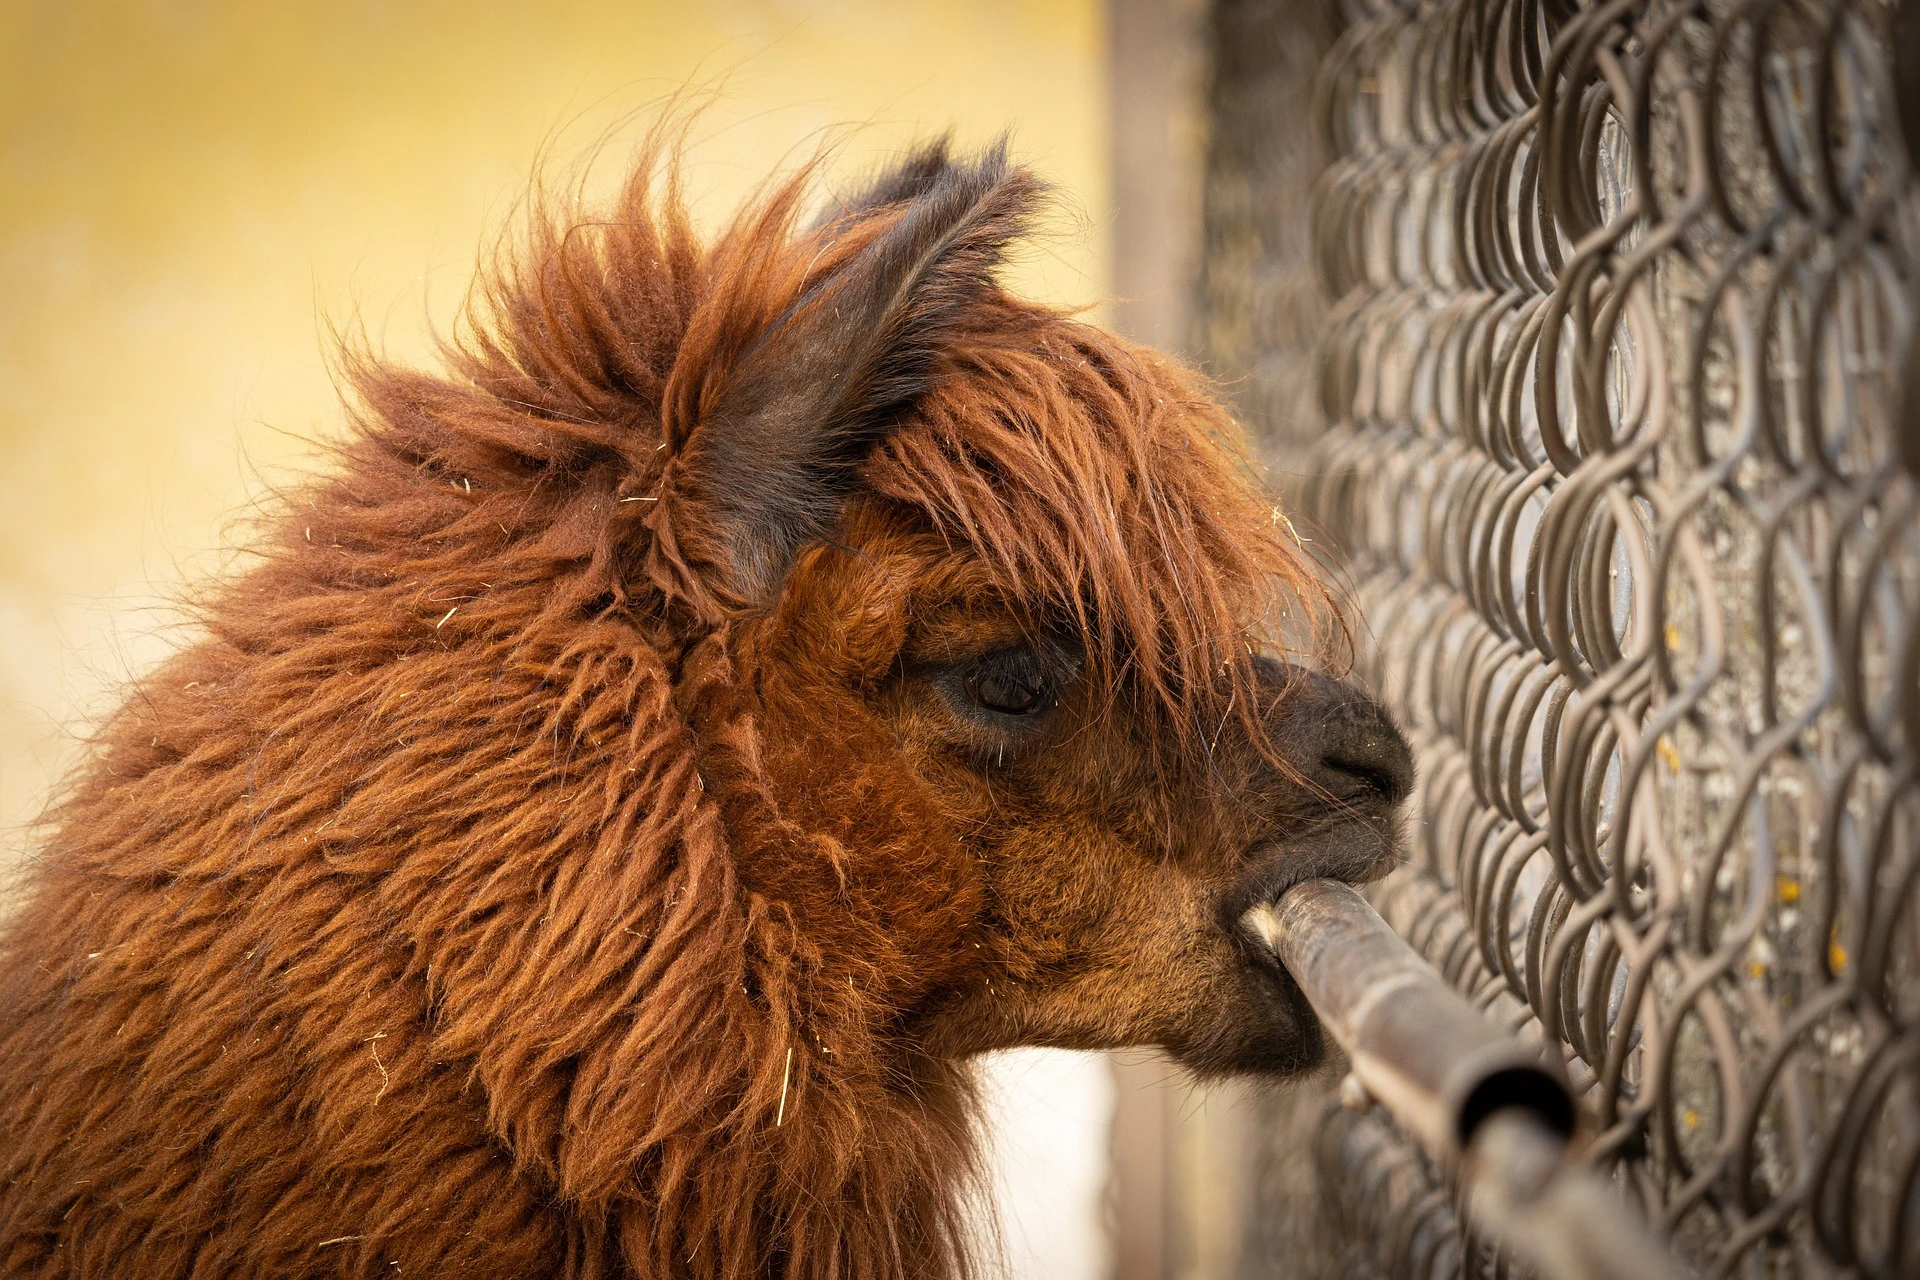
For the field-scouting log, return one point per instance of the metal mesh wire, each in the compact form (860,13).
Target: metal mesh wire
(1621,300)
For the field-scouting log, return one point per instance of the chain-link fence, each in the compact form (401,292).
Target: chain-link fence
(1608,441)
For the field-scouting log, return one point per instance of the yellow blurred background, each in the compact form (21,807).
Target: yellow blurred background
(191,191)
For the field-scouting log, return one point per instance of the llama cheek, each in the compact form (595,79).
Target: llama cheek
(842,618)
(876,866)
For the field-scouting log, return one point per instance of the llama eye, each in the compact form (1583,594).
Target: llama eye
(1013,683)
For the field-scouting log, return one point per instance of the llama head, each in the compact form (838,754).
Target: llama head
(752,678)
(986,602)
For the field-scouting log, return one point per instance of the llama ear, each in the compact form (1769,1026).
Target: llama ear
(783,429)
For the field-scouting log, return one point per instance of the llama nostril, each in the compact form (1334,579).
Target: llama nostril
(1375,759)
(1357,755)
(1365,775)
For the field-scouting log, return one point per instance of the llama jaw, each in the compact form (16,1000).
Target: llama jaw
(1263,1023)
(1357,851)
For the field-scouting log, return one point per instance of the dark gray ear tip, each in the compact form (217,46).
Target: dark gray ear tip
(993,162)
(992,178)
(930,167)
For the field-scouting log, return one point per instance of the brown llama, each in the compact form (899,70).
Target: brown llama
(629,786)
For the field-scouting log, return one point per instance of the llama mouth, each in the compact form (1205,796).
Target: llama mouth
(1262,1023)
(1358,851)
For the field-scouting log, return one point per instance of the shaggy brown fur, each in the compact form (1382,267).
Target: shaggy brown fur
(753,678)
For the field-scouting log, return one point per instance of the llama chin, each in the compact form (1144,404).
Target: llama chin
(663,748)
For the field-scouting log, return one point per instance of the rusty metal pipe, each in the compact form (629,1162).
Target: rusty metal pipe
(1478,1099)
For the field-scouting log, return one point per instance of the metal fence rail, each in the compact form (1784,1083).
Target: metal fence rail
(1497,1112)
(1622,297)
